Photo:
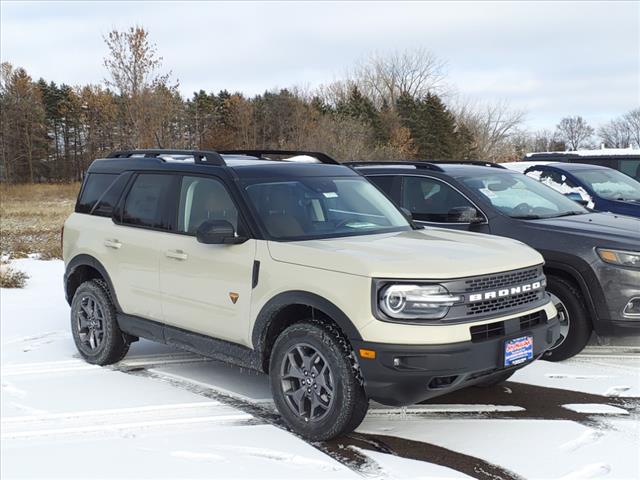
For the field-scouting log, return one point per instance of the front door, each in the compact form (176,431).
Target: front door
(206,288)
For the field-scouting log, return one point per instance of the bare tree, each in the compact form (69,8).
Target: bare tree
(491,125)
(133,64)
(622,132)
(575,132)
(383,78)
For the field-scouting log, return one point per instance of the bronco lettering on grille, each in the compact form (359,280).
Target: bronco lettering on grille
(505,292)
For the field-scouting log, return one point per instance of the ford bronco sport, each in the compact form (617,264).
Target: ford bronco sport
(305,271)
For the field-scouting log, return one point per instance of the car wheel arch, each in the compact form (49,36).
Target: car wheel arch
(82,268)
(288,308)
(572,275)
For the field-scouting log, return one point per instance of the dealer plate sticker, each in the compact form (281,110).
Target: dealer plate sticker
(518,350)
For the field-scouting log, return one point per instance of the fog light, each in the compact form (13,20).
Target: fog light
(632,309)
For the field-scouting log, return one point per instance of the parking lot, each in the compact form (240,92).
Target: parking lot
(163,412)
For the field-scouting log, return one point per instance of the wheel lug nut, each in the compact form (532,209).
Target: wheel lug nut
(308,390)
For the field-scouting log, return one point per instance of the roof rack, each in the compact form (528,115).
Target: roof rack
(479,163)
(322,157)
(199,156)
(424,165)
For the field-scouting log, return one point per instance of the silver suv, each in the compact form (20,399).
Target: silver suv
(301,269)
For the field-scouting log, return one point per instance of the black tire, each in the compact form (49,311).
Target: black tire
(107,344)
(344,409)
(495,379)
(577,319)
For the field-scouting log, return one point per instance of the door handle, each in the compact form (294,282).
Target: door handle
(177,254)
(112,243)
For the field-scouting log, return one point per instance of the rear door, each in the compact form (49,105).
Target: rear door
(142,219)
(206,288)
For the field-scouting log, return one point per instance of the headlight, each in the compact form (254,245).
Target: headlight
(429,302)
(619,257)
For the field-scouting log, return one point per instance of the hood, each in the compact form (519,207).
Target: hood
(606,229)
(432,253)
(623,207)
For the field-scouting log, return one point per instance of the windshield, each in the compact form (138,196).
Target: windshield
(610,184)
(322,207)
(519,196)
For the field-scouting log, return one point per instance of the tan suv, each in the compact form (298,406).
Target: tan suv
(301,269)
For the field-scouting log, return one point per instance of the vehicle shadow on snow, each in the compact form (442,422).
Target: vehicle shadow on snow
(536,402)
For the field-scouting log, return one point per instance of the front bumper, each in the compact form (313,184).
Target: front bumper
(619,285)
(408,374)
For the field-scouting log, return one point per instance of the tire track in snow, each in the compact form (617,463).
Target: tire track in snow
(347,450)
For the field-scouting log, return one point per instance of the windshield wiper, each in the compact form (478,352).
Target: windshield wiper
(527,217)
(567,214)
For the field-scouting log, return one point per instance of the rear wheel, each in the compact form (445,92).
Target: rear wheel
(314,383)
(575,326)
(93,325)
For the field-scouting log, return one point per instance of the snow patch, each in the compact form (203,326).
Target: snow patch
(588,437)
(593,470)
(202,456)
(595,408)
(616,391)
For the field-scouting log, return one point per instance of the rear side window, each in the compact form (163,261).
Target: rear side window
(95,186)
(107,202)
(145,204)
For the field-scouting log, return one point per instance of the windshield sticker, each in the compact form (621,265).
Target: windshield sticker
(330,194)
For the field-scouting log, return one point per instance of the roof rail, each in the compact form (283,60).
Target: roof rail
(199,156)
(424,165)
(322,157)
(479,163)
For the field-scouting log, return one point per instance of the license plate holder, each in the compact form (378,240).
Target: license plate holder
(518,350)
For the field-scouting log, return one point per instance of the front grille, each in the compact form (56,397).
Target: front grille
(487,331)
(497,304)
(502,279)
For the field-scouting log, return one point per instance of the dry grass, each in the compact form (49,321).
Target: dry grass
(31,217)
(11,278)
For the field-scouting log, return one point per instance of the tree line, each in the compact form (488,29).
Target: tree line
(387,108)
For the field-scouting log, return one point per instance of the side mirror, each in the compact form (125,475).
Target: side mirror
(218,232)
(576,197)
(464,215)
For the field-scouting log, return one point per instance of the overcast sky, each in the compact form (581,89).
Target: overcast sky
(549,58)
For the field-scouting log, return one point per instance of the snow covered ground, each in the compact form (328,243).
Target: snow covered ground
(163,413)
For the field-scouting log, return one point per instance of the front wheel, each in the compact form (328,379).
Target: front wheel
(314,382)
(575,325)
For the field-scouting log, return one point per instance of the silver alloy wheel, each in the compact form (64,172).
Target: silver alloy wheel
(563,318)
(90,322)
(307,382)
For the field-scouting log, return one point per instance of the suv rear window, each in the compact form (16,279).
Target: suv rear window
(95,186)
(145,203)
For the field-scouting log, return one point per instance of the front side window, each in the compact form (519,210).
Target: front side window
(145,205)
(203,199)
(631,168)
(323,207)
(610,184)
(560,183)
(519,196)
(430,200)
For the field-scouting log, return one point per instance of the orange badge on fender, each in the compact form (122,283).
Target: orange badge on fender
(234,297)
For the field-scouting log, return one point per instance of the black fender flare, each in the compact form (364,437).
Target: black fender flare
(576,275)
(90,261)
(299,297)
